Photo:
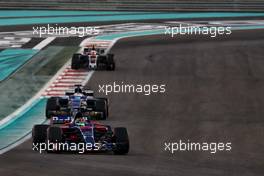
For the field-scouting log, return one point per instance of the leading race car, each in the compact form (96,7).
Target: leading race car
(76,101)
(79,134)
(92,58)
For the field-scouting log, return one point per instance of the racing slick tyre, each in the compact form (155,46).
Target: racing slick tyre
(122,141)
(102,106)
(106,105)
(111,67)
(63,102)
(76,59)
(54,137)
(110,62)
(101,62)
(52,105)
(39,134)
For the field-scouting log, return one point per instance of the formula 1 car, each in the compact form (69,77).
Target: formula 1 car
(63,135)
(75,101)
(92,58)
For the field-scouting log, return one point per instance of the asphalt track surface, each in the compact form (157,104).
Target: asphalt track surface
(214,93)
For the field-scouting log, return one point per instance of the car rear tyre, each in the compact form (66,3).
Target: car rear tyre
(110,62)
(39,134)
(52,105)
(75,64)
(102,106)
(63,102)
(122,141)
(111,67)
(54,137)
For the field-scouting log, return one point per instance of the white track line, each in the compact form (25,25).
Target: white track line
(69,81)
(58,88)
(24,139)
(44,43)
(78,71)
(61,92)
(63,85)
(72,77)
(54,94)
(74,74)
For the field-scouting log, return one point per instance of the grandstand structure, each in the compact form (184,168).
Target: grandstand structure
(138,5)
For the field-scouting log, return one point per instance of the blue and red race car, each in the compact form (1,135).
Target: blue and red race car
(79,134)
(78,100)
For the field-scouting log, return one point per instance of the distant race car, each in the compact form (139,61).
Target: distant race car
(64,134)
(93,58)
(76,101)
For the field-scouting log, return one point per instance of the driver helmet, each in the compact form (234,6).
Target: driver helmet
(93,53)
(78,90)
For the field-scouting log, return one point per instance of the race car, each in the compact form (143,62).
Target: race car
(92,58)
(75,101)
(67,135)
